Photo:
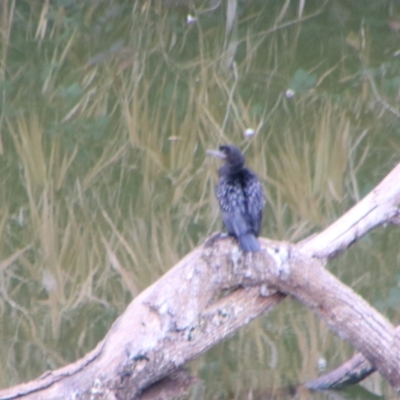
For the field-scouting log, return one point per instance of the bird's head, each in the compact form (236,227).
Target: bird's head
(231,154)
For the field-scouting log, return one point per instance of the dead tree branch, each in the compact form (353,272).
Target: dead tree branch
(381,206)
(351,372)
(214,291)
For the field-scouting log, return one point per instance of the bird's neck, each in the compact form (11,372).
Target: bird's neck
(231,169)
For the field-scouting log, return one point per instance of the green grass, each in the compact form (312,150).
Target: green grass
(107,111)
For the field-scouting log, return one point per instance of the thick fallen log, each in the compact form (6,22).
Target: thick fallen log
(214,291)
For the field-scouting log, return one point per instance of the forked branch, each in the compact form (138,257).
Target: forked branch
(214,291)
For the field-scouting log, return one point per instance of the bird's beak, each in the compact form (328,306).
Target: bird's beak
(216,153)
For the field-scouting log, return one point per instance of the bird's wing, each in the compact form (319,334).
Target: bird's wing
(232,203)
(255,203)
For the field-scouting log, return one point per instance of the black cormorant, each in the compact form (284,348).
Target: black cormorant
(241,198)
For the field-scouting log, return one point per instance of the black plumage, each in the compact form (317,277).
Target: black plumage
(241,198)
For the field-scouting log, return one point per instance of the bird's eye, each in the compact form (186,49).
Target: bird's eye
(224,149)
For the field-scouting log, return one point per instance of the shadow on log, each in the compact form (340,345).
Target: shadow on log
(214,291)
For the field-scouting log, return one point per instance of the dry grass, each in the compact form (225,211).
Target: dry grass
(91,214)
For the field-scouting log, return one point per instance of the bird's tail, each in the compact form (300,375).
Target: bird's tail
(248,242)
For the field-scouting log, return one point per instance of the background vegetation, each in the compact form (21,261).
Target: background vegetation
(107,109)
